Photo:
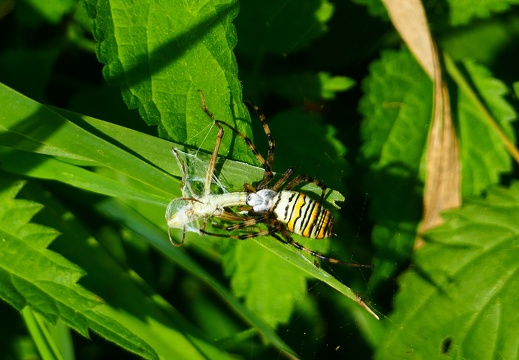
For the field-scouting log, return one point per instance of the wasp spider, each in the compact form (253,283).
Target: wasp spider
(282,210)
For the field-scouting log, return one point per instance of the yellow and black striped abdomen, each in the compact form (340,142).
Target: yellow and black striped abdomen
(303,215)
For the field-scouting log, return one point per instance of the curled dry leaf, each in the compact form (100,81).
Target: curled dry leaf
(442,181)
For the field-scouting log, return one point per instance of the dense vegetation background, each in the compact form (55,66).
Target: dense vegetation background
(84,181)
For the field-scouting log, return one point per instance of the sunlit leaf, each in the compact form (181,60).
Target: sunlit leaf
(462,300)
(34,276)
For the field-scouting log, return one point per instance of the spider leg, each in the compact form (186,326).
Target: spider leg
(212,162)
(304,178)
(247,223)
(272,146)
(274,226)
(239,237)
(283,179)
(287,239)
(268,174)
(249,188)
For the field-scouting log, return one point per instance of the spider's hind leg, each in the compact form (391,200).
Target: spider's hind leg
(287,239)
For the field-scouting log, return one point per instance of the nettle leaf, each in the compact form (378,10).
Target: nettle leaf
(397,110)
(31,275)
(270,286)
(462,300)
(483,153)
(161,53)
(251,268)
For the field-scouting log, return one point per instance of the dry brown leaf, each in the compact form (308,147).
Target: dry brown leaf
(442,182)
(408,17)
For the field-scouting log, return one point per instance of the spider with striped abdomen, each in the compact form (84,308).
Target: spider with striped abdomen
(282,210)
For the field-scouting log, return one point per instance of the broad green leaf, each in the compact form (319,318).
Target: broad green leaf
(259,280)
(31,275)
(160,71)
(462,301)
(333,84)
(45,167)
(397,110)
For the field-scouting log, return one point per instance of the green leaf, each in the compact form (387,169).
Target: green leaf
(259,280)
(397,110)
(486,159)
(31,275)
(333,84)
(302,267)
(44,167)
(160,71)
(20,129)
(461,303)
